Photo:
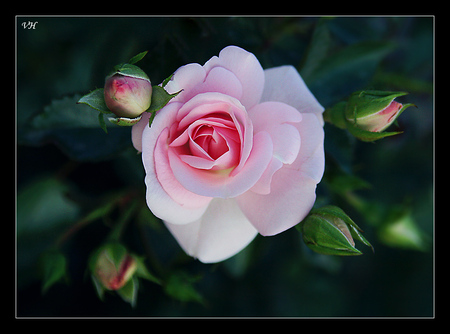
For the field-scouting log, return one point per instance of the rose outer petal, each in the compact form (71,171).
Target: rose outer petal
(293,187)
(221,232)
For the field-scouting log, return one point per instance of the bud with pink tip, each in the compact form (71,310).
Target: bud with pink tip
(128,95)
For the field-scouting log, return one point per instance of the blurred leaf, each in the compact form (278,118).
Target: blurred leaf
(42,206)
(180,286)
(75,129)
(400,230)
(143,272)
(52,267)
(43,211)
(347,70)
(341,182)
(317,50)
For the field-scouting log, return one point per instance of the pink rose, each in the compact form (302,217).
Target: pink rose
(237,152)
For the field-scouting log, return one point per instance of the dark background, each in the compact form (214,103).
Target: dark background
(64,167)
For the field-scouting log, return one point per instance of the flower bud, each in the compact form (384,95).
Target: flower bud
(330,231)
(127,96)
(113,266)
(373,110)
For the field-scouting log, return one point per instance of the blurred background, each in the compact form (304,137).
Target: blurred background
(68,167)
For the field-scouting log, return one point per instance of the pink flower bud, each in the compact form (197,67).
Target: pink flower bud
(113,272)
(374,111)
(382,119)
(127,96)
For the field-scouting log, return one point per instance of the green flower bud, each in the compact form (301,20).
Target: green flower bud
(330,231)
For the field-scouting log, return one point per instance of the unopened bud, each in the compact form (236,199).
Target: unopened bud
(374,110)
(128,96)
(113,266)
(330,231)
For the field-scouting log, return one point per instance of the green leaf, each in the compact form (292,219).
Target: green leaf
(96,100)
(138,57)
(354,55)
(317,49)
(347,70)
(74,128)
(53,268)
(180,286)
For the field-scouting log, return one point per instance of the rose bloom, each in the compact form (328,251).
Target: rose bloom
(238,152)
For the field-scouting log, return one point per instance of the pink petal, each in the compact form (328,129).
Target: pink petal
(274,118)
(166,198)
(292,192)
(136,131)
(284,84)
(185,78)
(223,183)
(247,69)
(220,233)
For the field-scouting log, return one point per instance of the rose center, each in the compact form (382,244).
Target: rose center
(212,142)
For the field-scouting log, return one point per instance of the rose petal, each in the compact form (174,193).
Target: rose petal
(166,198)
(185,78)
(247,69)
(224,184)
(273,117)
(292,193)
(136,131)
(284,84)
(220,233)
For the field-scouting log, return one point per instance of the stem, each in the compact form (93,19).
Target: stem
(117,231)
(149,254)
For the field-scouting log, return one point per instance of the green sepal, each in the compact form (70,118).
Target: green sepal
(367,102)
(326,239)
(355,230)
(115,253)
(368,136)
(129,291)
(98,287)
(336,115)
(129,70)
(102,123)
(160,97)
(143,272)
(124,121)
(138,57)
(95,100)
(330,231)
